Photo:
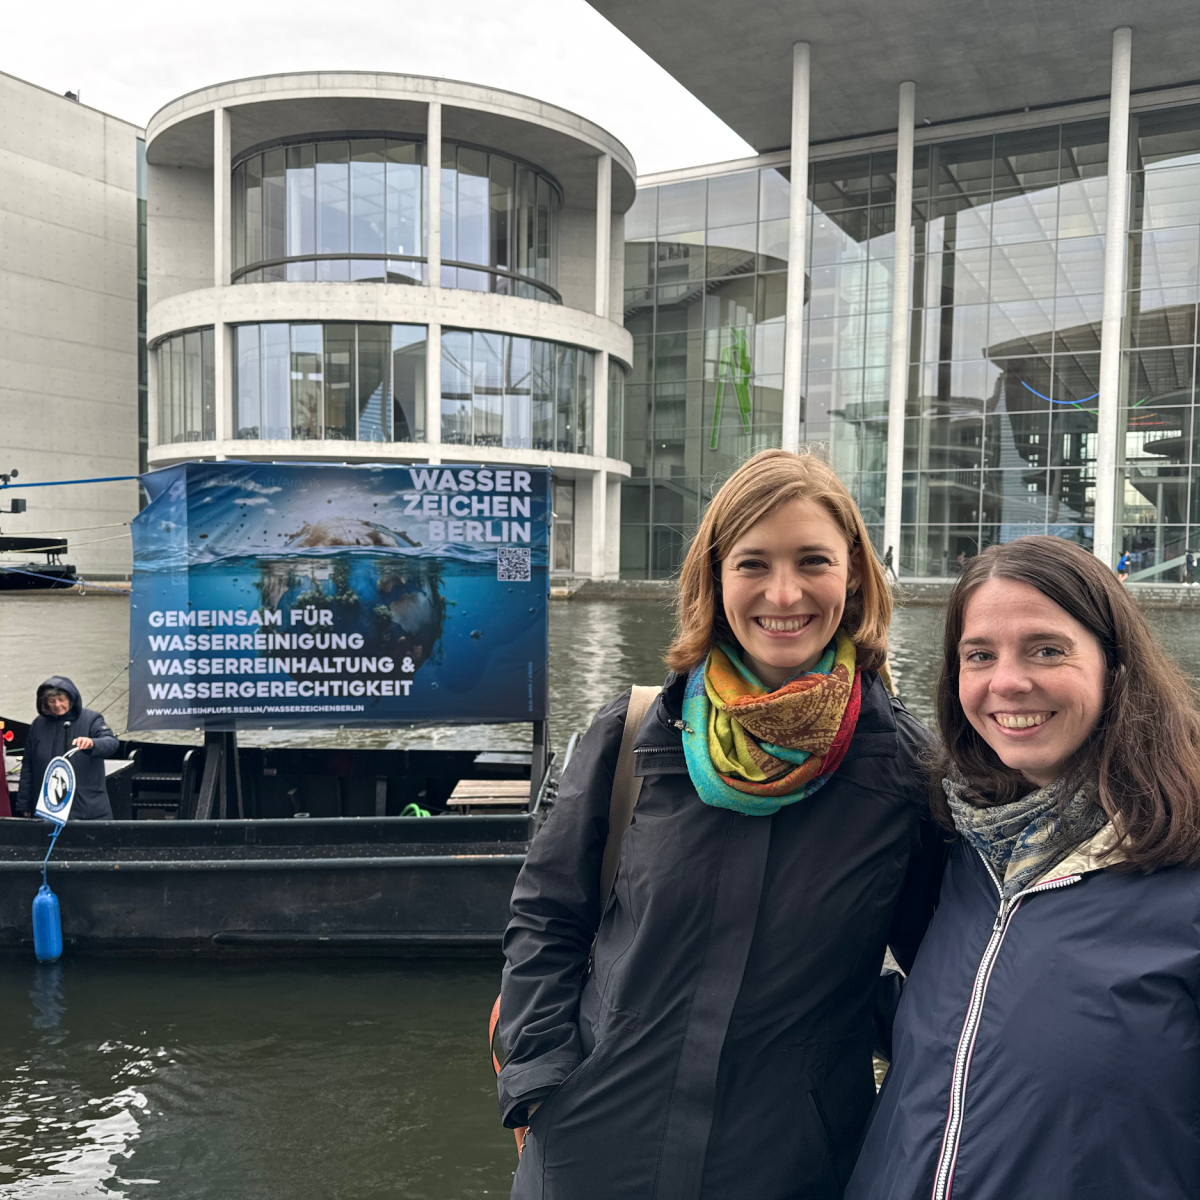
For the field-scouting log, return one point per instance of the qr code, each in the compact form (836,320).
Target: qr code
(512,564)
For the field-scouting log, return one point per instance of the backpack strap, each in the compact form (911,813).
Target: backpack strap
(625,790)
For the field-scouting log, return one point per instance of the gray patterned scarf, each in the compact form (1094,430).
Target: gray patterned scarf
(1024,839)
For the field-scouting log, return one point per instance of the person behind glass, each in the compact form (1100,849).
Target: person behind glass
(1048,1040)
(63,723)
(718,1042)
(1123,566)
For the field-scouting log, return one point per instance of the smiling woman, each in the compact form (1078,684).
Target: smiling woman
(782,560)
(1031,678)
(1051,672)
(712,1018)
(1054,1002)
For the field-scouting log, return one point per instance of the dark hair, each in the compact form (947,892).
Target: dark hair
(1145,749)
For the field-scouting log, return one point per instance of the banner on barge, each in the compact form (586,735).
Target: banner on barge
(297,594)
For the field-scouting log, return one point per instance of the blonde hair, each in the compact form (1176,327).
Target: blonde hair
(759,487)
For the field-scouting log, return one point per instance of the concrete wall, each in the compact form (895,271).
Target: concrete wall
(577,257)
(179,250)
(68,319)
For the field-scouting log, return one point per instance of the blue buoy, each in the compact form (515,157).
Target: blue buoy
(54,805)
(47,926)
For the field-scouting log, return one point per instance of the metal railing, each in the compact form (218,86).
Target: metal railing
(495,273)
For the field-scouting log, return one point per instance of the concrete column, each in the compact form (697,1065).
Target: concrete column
(433,201)
(222,200)
(433,269)
(222,270)
(226,425)
(1108,419)
(599,522)
(433,390)
(603,232)
(793,346)
(901,311)
(612,533)
(599,431)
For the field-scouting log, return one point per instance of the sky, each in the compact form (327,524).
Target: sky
(131,57)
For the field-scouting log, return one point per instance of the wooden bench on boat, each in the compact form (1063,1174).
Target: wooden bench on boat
(495,795)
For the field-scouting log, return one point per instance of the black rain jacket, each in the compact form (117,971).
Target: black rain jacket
(1049,1051)
(50,736)
(720,1047)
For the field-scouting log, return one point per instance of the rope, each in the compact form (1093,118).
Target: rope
(81,529)
(66,482)
(81,583)
(107,686)
(53,838)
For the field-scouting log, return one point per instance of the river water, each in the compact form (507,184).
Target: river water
(351,1078)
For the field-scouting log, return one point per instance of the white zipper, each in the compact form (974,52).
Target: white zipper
(944,1177)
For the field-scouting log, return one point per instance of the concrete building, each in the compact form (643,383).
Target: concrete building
(1015,354)
(71,290)
(317,292)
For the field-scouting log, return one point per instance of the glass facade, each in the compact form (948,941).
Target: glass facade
(341,381)
(705,286)
(616,409)
(1003,373)
(337,210)
(501,214)
(500,390)
(1000,427)
(848,321)
(352,210)
(1158,494)
(187,410)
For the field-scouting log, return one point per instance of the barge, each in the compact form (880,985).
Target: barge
(227,850)
(21,576)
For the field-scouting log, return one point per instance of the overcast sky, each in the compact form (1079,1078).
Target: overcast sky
(130,57)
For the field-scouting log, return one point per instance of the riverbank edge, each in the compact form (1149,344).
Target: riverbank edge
(908,593)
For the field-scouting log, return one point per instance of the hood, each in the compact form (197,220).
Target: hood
(63,684)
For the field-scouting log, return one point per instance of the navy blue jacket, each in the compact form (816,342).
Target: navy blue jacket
(720,1046)
(50,736)
(1057,1056)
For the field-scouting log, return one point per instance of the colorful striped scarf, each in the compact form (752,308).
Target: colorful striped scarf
(756,750)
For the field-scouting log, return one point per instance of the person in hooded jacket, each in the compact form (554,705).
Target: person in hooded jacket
(63,723)
(718,1043)
(1048,1040)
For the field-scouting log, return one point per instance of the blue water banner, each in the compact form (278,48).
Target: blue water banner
(314,595)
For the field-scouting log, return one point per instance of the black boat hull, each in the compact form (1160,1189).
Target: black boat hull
(31,577)
(390,885)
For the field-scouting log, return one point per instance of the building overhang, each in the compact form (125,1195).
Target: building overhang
(272,108)
(452,308)
(967,59)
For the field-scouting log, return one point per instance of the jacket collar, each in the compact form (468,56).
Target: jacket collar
(1099,851)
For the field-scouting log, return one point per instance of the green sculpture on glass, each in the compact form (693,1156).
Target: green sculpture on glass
(734,362)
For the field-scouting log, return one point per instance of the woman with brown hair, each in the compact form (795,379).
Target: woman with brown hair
(1048,1041)
(707,1032)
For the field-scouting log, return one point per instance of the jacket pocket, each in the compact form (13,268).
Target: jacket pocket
(561,1101)
(551,1102)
